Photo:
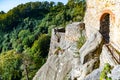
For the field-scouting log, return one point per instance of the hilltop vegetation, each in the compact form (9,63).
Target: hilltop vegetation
(25,35)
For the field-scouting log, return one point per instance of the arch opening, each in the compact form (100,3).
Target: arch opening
(104,27)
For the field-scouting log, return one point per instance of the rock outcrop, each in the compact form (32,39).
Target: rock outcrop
(62,55)
(95,75)
(67,62)
(106,57)
(115,73)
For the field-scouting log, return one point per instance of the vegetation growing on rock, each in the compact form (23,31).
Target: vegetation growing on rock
(105,72)
(81,41)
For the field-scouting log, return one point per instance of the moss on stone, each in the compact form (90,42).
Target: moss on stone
(57,50)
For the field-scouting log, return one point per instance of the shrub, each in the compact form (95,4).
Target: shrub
(41,46)
(19,48)
(106,70)
(57,50)
(81,41)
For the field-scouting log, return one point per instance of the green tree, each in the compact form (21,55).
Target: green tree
(38,45)
(10,65)
(2,12)
(23,33)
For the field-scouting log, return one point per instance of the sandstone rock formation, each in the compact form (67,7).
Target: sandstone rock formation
(60,62)
(67,62)
(106,57)
(115,73)
(95,75)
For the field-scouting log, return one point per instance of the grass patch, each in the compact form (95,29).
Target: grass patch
(105,71)
(81,41)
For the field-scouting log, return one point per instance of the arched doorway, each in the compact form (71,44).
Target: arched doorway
(104,27)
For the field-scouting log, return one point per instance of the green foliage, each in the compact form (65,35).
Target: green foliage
(19,48)
(81,41)
(41,45)
(106,70)
(2,12)
(23,33)
(6,43)
(10,65)
(50,29)
(31,9)
(57,50)
(77,9)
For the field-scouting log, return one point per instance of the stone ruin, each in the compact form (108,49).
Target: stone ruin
(103,15)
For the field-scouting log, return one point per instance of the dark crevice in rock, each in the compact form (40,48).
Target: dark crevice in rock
(95,54)
(57,30)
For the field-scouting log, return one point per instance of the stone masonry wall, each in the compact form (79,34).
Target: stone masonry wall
(94,13)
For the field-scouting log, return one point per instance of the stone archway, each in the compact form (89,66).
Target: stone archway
(104,27)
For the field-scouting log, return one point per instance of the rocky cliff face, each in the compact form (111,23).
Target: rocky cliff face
(67,62)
